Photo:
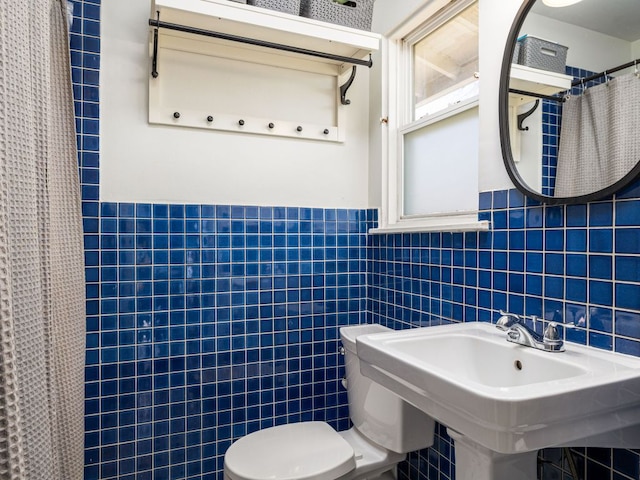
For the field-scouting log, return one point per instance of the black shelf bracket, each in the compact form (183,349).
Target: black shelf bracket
(346,86)
(154,64)
(251,41)
(523,116)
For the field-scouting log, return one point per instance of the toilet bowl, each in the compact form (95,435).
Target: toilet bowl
(385,429)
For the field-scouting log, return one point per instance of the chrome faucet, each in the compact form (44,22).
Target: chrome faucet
(518,332)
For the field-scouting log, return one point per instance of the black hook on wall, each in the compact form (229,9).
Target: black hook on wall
(523,116)
(346,86)
(154,64)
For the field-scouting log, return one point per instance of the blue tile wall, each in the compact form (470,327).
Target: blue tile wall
(206,322)
(576,264)
(210,322)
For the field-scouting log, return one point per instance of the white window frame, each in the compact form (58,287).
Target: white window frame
(397,80)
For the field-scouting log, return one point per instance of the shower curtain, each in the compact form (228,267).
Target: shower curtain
(599,142)
(42,320)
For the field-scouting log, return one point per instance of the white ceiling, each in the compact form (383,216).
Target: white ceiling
(617,18)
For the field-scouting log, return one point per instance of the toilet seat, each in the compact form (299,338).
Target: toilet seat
(307,450)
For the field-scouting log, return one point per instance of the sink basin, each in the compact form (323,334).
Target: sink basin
(473,356)
(506,397)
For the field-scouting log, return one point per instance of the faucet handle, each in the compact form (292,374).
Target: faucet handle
(506,320)
(510,315)
(552,334)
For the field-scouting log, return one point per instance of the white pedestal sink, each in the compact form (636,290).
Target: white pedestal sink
(503,402)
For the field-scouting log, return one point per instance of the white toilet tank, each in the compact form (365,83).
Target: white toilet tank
(376,412)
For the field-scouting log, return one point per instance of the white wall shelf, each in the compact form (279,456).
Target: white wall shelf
(226,33)
(226,17)
(534,80)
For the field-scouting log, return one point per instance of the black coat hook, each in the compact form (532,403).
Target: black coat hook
(523,116)
(346,86)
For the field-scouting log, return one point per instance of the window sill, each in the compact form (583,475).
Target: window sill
(456,225)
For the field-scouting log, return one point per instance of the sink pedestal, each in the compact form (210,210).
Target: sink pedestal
(475,462)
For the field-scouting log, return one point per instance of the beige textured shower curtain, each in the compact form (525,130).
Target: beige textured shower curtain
(42,320)
(599,142)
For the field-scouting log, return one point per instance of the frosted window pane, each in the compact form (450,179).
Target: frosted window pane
(441,166)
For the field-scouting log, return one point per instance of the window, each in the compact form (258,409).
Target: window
(432,156)
(444,58)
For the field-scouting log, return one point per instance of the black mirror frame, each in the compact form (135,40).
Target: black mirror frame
(503,114)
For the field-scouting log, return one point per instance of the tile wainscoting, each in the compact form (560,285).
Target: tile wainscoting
(206,323)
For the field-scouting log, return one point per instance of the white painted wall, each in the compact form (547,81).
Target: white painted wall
(143,163)
(635,49)
(496,17)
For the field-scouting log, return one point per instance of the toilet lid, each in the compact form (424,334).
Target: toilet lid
(287,452)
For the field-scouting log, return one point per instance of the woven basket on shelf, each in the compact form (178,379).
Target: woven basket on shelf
(287,6)
(543,54)
(354,14)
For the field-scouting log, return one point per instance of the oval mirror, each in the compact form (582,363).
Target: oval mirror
(570,97)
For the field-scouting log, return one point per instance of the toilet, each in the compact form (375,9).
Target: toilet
(385,428)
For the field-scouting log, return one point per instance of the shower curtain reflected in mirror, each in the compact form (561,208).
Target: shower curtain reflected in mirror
(599,141)
(42,323)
